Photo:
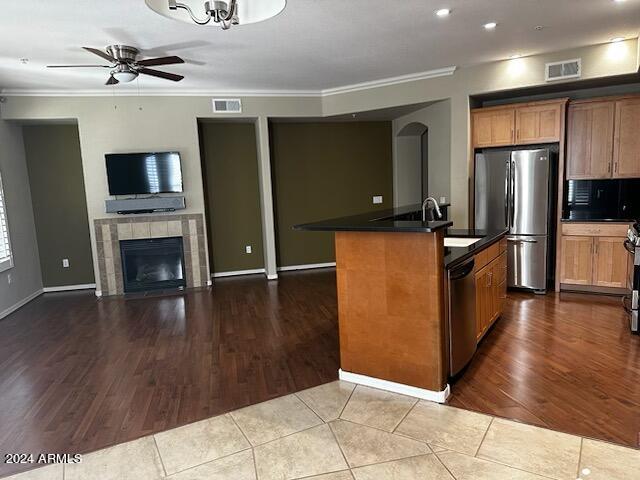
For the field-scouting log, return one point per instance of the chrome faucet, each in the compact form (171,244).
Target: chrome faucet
(436,207)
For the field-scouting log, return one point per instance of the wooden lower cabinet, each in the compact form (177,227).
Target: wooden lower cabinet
(593,255)
(491,293)
(610,262)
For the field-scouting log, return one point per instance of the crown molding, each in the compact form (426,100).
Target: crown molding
(441,72)
(385,82)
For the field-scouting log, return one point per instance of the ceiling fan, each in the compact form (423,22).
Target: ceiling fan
(124,66)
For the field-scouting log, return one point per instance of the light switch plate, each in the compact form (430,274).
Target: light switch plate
(377,199)
(65,263)
(248,249)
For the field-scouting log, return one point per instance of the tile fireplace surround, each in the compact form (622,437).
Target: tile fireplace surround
(109,232)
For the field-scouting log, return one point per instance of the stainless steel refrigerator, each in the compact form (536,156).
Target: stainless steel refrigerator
(513,191)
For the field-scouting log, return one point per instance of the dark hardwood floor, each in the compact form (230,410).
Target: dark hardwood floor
(563,361)
(78,374)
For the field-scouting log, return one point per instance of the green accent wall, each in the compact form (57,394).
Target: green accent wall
(58,196)
(232,195)
(326,170)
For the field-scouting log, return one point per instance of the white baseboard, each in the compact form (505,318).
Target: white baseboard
(69,288)
(309,266)
(431,395)
(238,273)
(20,304)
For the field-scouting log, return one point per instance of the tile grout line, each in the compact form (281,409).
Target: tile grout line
(580,457)
(240,429)
(295,394)
(340,447)
(475,455)
(348,400)
(405,415)
(208,461)
(255,464)
(445,467)
(495,463)
(155,443)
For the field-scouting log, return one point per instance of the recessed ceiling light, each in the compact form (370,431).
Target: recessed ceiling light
(443,12)
(515,55)
(490,26)
(619,1)
(617,39)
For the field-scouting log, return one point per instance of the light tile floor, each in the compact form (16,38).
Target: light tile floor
(342,432)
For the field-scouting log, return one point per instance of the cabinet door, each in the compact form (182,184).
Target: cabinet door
(590,140)
(493,128)
(538,124)
(626,159)
(483,300)
(610,262)
(576,263)
(499,284)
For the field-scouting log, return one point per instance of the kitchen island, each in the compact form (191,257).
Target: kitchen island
(392,290)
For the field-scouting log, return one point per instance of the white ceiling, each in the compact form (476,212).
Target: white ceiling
(312,45)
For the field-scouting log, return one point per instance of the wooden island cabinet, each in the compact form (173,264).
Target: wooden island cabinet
(491,286)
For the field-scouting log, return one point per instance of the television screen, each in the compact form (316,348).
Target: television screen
(140,173)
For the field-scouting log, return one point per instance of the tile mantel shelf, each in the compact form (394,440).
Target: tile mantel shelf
(109,232)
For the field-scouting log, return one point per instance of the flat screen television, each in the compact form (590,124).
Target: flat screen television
(144,173)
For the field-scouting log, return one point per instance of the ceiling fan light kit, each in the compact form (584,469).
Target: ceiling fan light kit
(218,12)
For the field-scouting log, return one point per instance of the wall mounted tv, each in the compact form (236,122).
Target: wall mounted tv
(144,173)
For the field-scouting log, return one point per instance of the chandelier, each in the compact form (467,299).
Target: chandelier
(223,13)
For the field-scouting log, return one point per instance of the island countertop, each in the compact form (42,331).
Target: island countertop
(401,219)
(454,256)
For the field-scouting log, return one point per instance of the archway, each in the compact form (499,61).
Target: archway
(413,162)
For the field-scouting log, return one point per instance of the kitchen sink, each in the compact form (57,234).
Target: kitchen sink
(460,241)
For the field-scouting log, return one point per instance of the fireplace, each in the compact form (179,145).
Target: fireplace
(152,264)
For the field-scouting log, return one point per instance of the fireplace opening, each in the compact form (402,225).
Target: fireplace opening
(152,264)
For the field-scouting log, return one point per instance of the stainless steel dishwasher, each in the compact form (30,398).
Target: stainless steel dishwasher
(462,315)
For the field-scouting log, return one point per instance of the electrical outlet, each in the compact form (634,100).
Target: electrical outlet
(65,263)
(377,199)
(248,249)
(443,199)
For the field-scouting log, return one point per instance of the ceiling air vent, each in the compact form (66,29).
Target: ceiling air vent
(227,105)
(563,70)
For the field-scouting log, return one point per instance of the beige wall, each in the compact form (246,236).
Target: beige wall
(25,275)
(140,123)
(406,154)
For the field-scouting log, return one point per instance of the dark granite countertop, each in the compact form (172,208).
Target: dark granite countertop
(401,219)
(454,256)
(596,220)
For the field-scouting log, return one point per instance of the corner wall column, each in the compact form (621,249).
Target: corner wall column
(266,198)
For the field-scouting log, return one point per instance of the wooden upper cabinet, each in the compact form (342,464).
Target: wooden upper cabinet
(590,140)
(576,262)
(610,262)
(626,158)
(493,127)
(538,123)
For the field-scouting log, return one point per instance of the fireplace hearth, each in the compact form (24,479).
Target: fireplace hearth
(153,264)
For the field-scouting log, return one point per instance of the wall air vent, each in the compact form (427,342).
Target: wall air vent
(563,70)
(227,105)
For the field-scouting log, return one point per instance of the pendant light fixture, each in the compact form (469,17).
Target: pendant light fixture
(222,13)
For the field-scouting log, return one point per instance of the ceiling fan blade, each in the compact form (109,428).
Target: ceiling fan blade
(159,74)
(150,62)
(100,53)
(112,81)
(78,66)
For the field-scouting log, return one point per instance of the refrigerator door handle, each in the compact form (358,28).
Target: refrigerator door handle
(511,177)
(521,240)
(507,182)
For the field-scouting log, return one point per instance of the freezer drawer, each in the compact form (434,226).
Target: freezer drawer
(527,261)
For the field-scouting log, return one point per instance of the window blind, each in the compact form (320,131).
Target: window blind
(6,260)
